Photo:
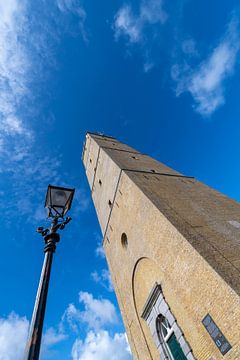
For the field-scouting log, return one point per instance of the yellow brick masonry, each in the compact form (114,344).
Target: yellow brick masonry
(181,234)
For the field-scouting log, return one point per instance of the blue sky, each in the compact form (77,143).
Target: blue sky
(162,76)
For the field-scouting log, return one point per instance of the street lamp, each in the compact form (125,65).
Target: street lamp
(58,202)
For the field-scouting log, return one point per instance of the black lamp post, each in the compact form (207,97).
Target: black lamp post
(58,201)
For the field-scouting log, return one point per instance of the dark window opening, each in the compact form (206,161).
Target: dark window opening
(124,240)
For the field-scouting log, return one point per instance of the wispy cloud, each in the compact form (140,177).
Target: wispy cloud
(27,53)
(99,249)
(75,8)
(103,278)
(50,339)
(26,169)
(207,82)
(72,6)
(15,66)
(19,57)
(81,202)
(132,26)
(127,24)
(189,47)
(101,346)
(141,30)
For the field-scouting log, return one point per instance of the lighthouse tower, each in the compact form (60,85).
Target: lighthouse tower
(173,249)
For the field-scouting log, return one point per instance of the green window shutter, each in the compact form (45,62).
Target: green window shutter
(175,348)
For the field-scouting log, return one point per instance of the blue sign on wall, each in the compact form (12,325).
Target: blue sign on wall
(216,334)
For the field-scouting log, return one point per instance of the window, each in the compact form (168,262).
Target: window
(167,335)
(171,347)
(124,240)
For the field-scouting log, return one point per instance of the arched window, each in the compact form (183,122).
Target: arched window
(167,334)
(171,347)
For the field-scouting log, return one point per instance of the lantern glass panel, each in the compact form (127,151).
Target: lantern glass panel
(59,199)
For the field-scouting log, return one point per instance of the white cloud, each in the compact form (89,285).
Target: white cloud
(101,346)
(132,26)
(13,337)
(14,334)
(25,52)
(18,53)
(96,314)
(98,343)
(206,84)
(127,24)
(14,67)
(103,278)
(73,317)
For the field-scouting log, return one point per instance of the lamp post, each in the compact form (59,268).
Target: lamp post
(58,201)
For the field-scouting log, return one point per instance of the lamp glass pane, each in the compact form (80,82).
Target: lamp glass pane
(58,200)
(59,197)
(48,199)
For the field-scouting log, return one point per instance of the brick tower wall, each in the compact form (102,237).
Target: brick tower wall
(178,233)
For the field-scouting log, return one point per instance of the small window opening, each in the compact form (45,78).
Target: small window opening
(90,160)
(134,157)
(110,203)
(100,182)
(124,240)
(153,170)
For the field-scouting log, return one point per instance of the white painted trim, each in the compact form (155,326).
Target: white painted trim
(155,306)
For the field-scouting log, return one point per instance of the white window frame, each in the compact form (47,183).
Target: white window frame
(155,307)
(164,338)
